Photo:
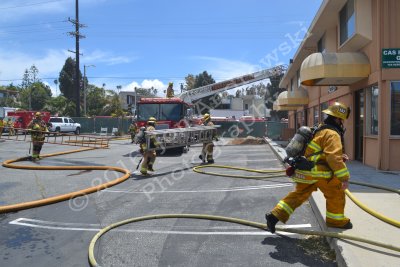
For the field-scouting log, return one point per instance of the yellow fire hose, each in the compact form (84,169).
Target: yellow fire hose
(348,193)
(58,198)
(92,260)
(261,226)
(261,177)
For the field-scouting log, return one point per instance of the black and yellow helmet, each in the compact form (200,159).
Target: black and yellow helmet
(151,121)
(338,110)
(206,116)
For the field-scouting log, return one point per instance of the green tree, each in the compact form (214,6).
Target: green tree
(205,104)
(59,105)
(38,94)
(146,92)
(271,95)
(113,106)
(95,100)
(67,79)
(190,80)
(203,79)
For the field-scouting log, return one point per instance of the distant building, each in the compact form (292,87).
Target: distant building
(127,99)
(8,93)
(248,105)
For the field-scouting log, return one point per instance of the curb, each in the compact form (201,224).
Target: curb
(333,242)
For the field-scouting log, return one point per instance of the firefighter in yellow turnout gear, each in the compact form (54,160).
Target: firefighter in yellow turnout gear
(1,127)
(329,174)
(149,153)
(38,128)
(208,148)
(132,130)
(10,125)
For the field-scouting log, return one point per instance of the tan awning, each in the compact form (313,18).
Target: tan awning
(298,97)
(334,68)
(280,103)
(276,107)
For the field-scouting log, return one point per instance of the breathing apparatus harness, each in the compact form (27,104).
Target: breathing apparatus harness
(296,148)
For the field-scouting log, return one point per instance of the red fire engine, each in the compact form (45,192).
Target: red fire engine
(22,118)
(176,112)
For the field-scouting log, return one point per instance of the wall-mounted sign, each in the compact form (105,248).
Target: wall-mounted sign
(390,58)
(332,89)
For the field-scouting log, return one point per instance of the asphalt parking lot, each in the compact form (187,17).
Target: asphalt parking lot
(59,234)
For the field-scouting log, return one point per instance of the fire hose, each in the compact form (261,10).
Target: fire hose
(270,174)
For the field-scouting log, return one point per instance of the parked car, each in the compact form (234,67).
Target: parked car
(64,125)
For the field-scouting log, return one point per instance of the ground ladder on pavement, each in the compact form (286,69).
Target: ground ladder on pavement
(180,137)
(60,139)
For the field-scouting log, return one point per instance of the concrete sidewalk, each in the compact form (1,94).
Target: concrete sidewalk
(356,254)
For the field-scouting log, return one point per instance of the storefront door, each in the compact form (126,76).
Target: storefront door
(359,124)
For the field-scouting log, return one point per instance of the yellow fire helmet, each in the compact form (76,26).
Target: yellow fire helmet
(151,121)
(206,116)
(38,114)
(338,110)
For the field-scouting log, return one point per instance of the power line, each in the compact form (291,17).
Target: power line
(34,24)
(32,4)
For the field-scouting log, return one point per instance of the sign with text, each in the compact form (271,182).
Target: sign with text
(390,58)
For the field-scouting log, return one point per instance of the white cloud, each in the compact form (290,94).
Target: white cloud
(13,64)
(105,57)
(157,84)
(223,69)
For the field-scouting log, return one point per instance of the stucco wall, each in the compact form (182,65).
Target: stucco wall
(370,151)
(394,158)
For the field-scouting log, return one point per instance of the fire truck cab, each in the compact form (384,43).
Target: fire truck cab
(169,112)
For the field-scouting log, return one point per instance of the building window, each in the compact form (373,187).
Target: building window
(321,45)
(372,110)
(291,85)
(347,21)
(2,95)
(323,107)
(395,108)
(316,115)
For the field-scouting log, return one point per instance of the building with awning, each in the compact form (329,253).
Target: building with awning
(350,54)
(334,68)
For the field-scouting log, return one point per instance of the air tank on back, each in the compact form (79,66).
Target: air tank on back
(299,141)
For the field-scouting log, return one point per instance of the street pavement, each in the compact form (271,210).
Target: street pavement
(356,254)
(59,234)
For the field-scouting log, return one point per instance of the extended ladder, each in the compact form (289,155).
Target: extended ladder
(180,137)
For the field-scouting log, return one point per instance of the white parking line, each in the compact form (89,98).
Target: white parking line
(246,188)
(91,227)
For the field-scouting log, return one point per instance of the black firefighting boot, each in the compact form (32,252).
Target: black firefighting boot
(271,222)
(348,225)
(150,167)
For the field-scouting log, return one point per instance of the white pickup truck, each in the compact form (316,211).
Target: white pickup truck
(64,125)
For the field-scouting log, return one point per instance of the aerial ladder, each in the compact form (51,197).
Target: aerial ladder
(183,137)
(193,95)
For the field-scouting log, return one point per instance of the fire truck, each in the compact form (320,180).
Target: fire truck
(176,112)
(22,118)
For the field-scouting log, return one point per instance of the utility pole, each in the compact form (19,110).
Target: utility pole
(77,71)
(85,86)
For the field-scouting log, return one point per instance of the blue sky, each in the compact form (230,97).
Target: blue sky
(151,42)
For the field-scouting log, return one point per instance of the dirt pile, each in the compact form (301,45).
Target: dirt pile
(249,140)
